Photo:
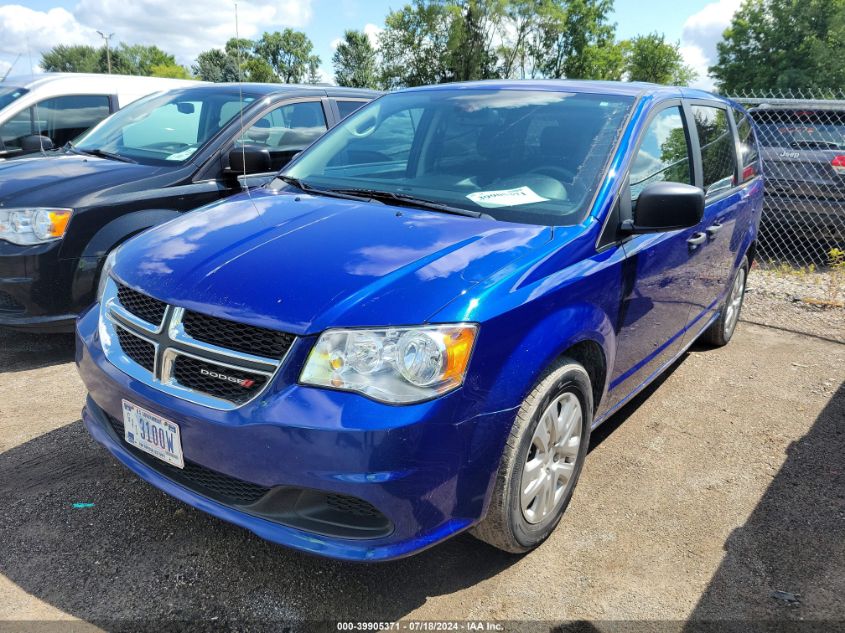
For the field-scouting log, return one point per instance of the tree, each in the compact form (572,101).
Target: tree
(314,76)
(783,45)
(71,59)
(215,65)
(652,58)
(412,45)
(135,59)
(577,41)
(138,59)
(473,26)
(288,52)
(355,61)
(171,71)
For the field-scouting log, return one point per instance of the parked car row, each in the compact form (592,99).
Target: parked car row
(408,329)
(63,212)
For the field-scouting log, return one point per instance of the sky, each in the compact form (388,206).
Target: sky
(188,27)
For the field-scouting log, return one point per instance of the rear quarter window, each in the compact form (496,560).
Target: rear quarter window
(718,150)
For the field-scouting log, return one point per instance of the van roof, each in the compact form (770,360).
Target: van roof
(40,79)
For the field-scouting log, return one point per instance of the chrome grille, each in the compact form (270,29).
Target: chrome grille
(187,354)
(144,307)
(236,336)
(139,350)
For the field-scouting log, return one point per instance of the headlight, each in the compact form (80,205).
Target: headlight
(33,226)
(104,274)
(396,365)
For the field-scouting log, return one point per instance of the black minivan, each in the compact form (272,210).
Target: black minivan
(62,212)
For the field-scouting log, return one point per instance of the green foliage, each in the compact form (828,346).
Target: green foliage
(135,59)
(436,41)
(414,43)
(783,45)
(171,71)
(71,59)
(289,54)
(355,61)
(216,65)
(652,58)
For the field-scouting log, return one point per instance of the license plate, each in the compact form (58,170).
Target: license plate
(152,434)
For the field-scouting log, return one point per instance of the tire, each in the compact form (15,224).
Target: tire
(722,329)
(507,525)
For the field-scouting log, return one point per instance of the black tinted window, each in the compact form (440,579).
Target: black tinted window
(748,146)
(15,129)
(718,153)
(287,130)
(664,153)
(348,107)
(64,118)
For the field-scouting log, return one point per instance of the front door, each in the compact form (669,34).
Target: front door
(656,274)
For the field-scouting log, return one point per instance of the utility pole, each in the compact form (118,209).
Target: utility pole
(106,39)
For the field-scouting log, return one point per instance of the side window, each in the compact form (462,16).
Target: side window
(287,130)
(15,129)
(347,107)
(664,155)
(747,145)
(718,152)
(62,119)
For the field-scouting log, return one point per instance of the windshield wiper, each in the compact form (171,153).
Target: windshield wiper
(413,201)
(104,154)
(330,193)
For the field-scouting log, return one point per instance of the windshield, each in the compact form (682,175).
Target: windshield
(164,129)
(8,94)
(517,155)
(801,129)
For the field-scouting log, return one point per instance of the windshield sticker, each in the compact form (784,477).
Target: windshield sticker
(181,155)
(506,197)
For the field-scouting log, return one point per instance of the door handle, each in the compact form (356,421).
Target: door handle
(697,240)
(713,229)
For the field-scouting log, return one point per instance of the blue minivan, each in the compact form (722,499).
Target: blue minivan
(413,329)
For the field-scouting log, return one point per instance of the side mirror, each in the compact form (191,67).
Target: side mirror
(666,206)
(36,143)
(249,160)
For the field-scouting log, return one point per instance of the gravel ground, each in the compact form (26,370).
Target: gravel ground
(810,303)
(720,487)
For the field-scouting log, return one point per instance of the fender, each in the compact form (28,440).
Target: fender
(106,239)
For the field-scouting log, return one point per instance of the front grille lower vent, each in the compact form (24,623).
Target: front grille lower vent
(240,337)
(144,307)
(9,304)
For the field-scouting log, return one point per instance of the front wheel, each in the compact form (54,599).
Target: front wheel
(543,457)
(722,329)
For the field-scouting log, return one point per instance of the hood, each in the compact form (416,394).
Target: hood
(301,263)
(62,179)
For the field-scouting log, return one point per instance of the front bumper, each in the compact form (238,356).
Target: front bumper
(35,288)
(427,468)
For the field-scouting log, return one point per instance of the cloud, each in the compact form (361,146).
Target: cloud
(701,32)
(185,28)
(23,28)
(373,31)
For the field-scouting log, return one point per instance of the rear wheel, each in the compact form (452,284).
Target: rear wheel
(722,329)
(542,459)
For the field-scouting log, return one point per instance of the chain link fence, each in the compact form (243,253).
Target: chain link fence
(798,282)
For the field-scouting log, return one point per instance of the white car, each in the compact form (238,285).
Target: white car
(48,110)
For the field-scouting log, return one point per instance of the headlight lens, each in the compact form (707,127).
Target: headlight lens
(104,274)
(33,226)
(396,365)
